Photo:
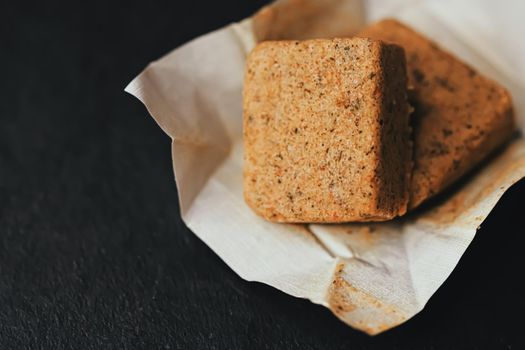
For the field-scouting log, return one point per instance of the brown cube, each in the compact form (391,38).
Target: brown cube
(460,116)
(326,131)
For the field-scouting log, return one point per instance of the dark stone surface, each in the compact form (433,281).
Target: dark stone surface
(93,253)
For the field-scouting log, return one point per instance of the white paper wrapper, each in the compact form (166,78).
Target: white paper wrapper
(372,276)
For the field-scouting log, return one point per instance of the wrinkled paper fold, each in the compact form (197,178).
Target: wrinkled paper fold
(372,276)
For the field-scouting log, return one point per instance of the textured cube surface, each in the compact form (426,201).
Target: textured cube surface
(460,116)
(326,131)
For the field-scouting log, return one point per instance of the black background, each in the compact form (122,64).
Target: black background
(93,253)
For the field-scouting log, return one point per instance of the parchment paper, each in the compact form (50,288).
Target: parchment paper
(372,276)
